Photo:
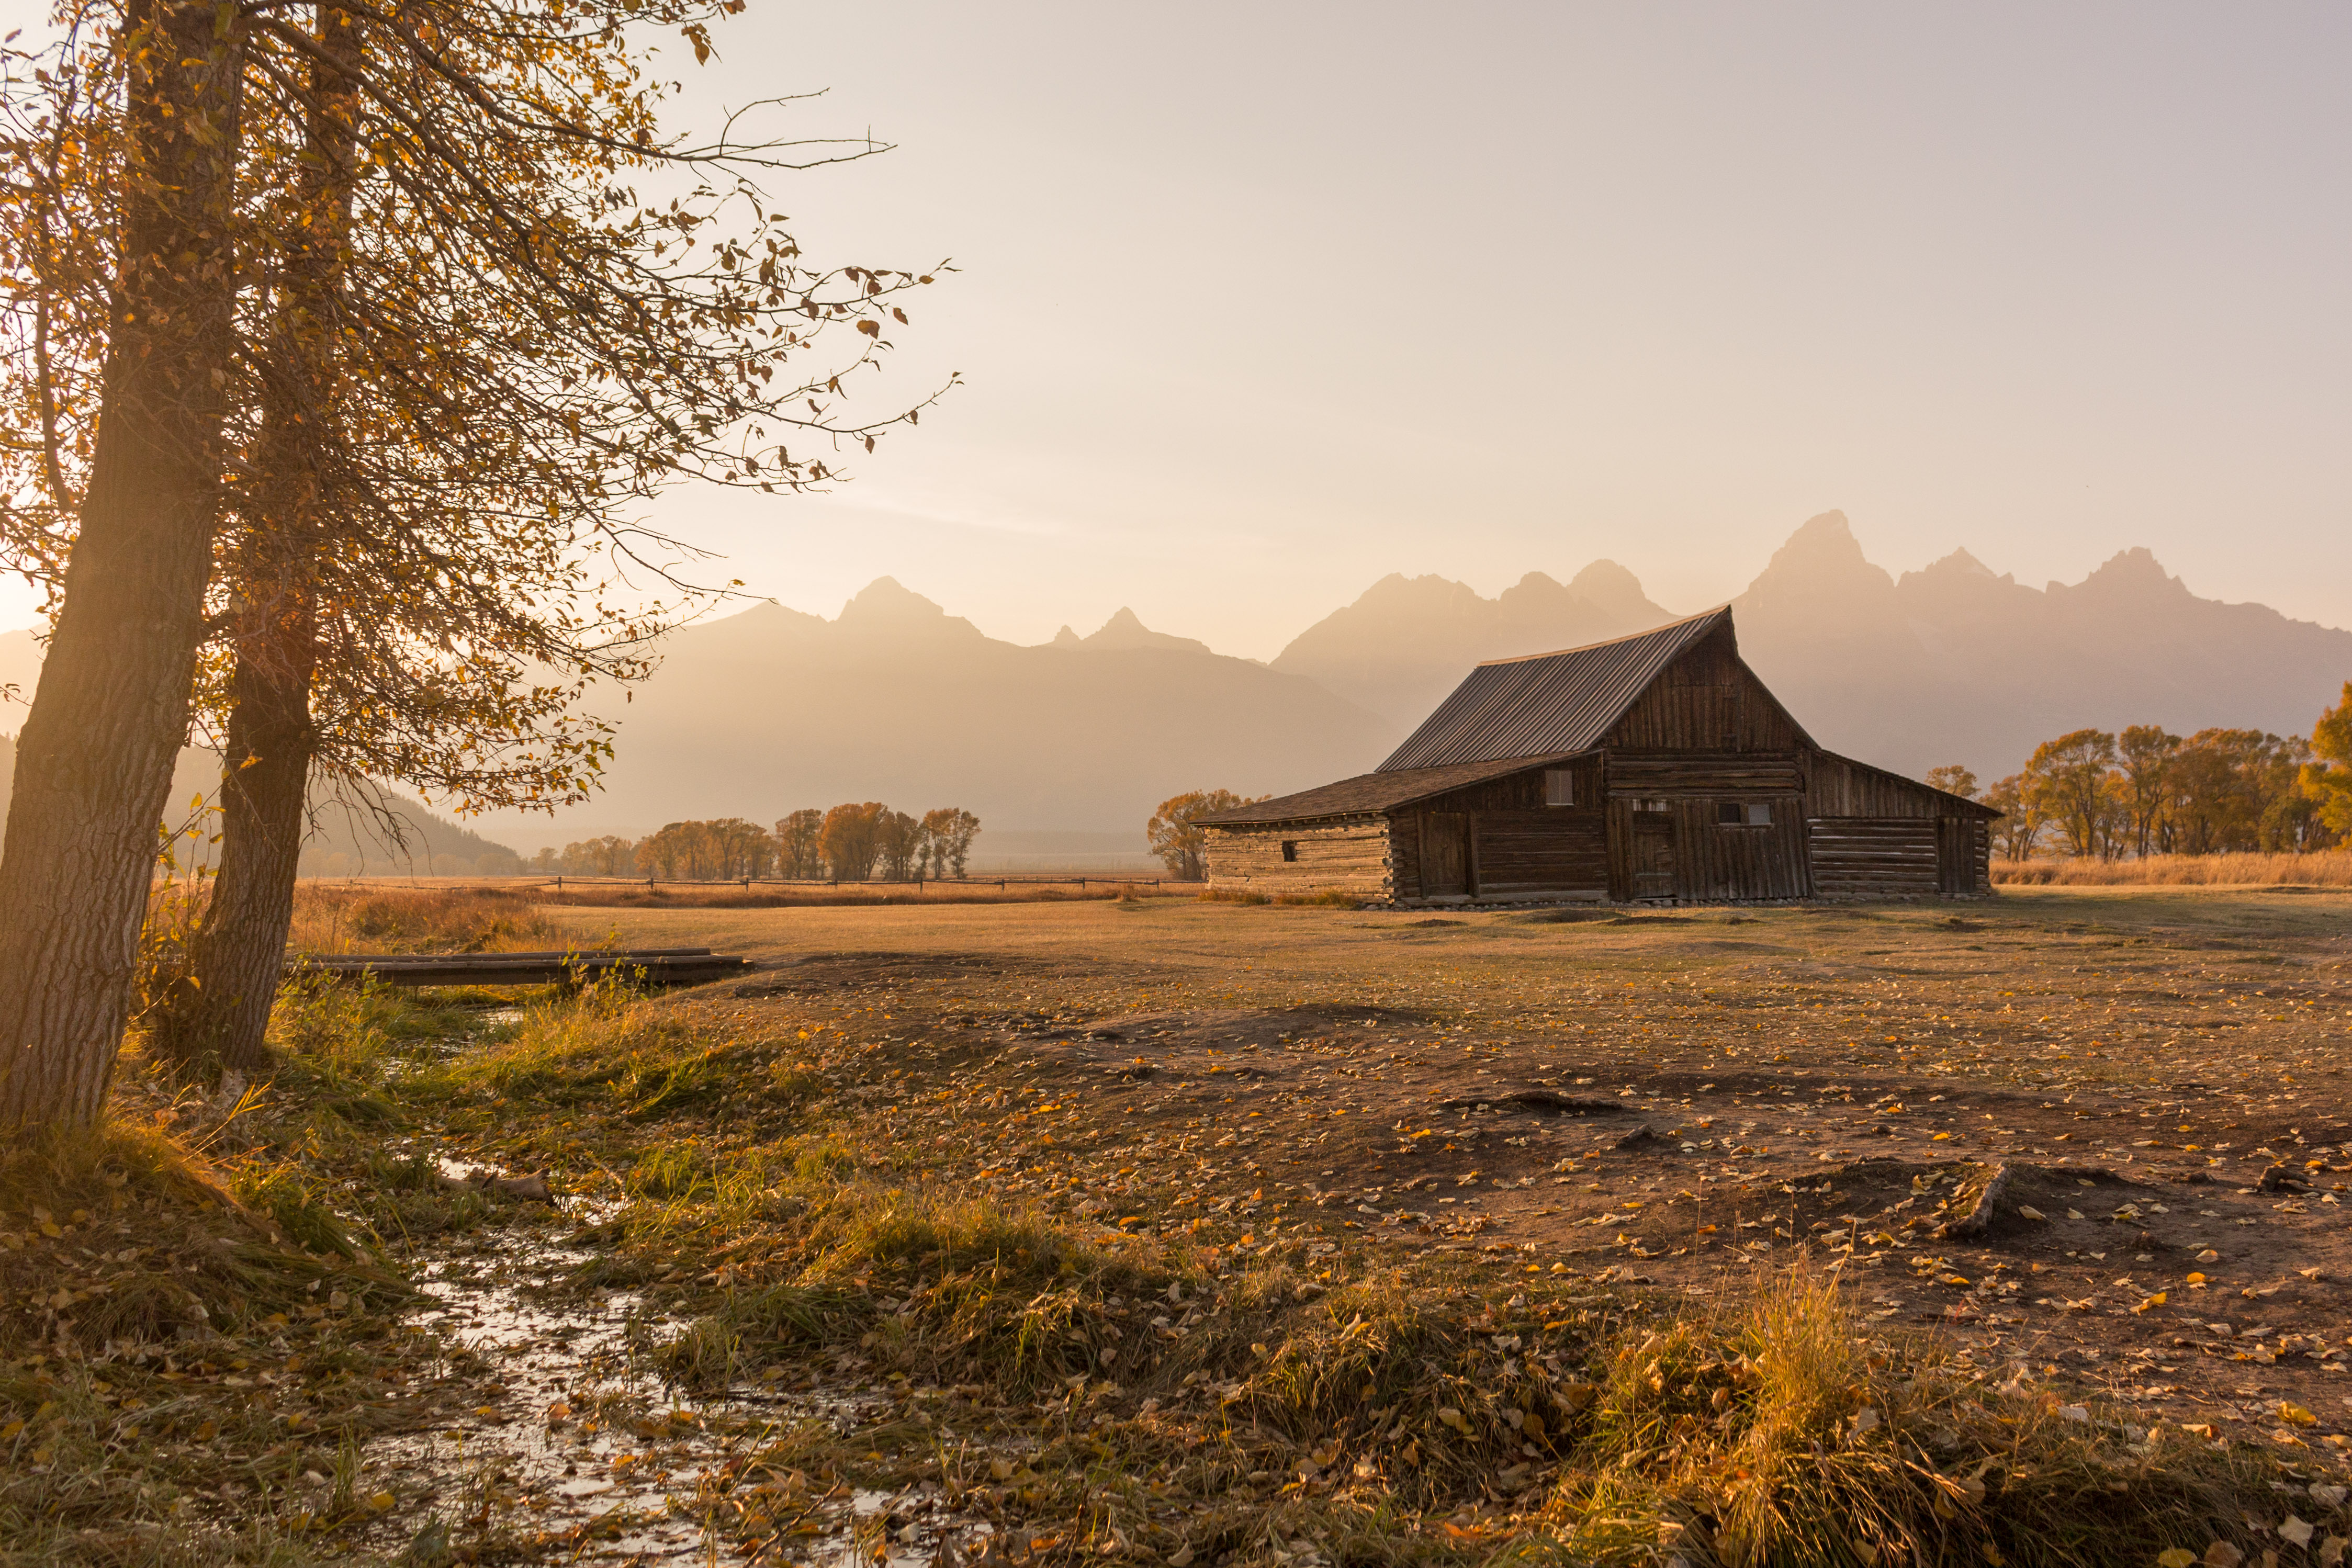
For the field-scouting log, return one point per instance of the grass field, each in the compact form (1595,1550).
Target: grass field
(1182,1232)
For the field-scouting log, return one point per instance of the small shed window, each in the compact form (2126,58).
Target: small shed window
(1559,787)
(1730,814)
(1652,806)
(1760,814)
(1290,849)
(1744,814)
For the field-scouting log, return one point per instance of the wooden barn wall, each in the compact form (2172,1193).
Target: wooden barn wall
(1522,791)
(1554,849)
(1724,775)
(1707,701)
(1841,790)
(1714,861)
(1884,857)
(1343,857)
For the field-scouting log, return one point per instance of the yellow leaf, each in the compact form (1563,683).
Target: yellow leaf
(382,1502)
(2176,1557)
(2292,1412)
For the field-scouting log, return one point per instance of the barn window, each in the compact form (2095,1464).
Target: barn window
(1652,806)
(1290,849)
(1760,814)
(1729,814)
(1559,787)
(1744,814)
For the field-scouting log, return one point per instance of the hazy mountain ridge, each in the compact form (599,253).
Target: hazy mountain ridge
(895,699)
(1407,642)
(1952,664)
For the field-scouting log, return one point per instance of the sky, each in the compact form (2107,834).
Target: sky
(1257,304)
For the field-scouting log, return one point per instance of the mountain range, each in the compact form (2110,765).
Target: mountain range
(895,699)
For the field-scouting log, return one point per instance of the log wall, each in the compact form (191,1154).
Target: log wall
(1882,857)
(1349,856)
(1513,845)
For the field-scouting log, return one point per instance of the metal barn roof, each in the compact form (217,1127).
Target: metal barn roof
(1381,791)
(1548,704)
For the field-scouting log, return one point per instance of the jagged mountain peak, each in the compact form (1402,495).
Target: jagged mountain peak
(1126,630)
(2134,573)
(884,607)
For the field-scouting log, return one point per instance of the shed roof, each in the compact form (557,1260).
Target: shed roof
(1382,791)
(1548,704)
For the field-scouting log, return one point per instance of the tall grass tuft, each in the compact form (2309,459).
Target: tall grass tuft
(424,920)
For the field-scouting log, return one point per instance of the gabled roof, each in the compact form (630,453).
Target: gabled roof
(1548,704)
(1382,791)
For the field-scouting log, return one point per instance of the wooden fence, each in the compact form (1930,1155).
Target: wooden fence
(917,882)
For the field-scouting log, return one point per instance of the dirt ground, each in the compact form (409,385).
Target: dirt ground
(2152,1080)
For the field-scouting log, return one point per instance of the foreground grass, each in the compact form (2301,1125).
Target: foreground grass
(203,1330)
(1168,1397)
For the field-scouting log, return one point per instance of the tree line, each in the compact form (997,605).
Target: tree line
(2142,790)
(850,843)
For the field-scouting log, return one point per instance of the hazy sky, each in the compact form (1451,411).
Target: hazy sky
(1260,303)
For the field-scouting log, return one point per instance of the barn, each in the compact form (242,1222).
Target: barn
(1650,768)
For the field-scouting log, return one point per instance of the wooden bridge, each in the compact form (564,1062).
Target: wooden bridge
(651,966)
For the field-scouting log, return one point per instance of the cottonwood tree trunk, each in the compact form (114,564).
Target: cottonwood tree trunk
(220,1013)
(94,759)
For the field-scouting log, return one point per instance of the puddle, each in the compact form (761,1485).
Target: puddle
(567,1440)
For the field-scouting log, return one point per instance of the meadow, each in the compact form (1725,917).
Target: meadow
(1177,1231)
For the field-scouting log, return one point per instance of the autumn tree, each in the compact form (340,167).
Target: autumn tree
(2327,779)
(1953,780)
(799,844)
(947,834)
(2068,779)
(850,838)
(109,714)
(477,350)
(2021,824)
(1175,833)
(898,838)
(2145,753)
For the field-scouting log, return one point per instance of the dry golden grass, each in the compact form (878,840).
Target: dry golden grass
(427,920)
(2329,868)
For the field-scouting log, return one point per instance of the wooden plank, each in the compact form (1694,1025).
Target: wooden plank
(503,969)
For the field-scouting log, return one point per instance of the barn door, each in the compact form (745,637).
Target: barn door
(1654,854)
(1956,860)
(1444,855)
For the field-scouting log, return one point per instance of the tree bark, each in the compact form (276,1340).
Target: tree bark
(220,1014)
(111,712)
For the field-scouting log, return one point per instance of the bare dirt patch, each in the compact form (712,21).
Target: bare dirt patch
(1820,1081)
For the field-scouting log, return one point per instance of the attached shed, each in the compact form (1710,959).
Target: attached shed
(1652,768)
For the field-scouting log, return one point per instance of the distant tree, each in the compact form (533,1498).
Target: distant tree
(898,839)
(1176,835)
(606,856)
(2326,780)
(2229,790)
(851,840)
(2145,751)
(2068,779)
(2021,823)
(1953,780)
(948,834)
(799,848)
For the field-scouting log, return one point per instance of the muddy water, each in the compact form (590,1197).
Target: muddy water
(570,1440)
